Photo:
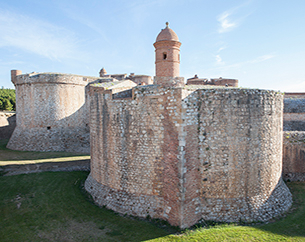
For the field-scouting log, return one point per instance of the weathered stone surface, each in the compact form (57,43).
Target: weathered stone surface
(294,155)
(294,112)
(51,113)
(185,154)
(7,124)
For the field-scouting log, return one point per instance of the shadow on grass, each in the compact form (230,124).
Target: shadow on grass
(288,227)
(293,222)
(53,206)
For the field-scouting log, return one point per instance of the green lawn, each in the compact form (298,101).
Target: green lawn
(53,206)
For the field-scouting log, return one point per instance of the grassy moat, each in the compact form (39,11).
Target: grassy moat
(53,206)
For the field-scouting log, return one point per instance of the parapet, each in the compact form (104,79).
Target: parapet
(166,81)
(53,78)
(213,81)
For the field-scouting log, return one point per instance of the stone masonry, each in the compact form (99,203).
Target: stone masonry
(294,137)
(185,154)
(177,152)
(294,112)
(51,113)
(294,156)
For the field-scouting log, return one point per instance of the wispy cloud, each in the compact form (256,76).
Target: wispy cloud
(221,48)
(219,60)
(222,66)
(229,19)
(262,58)
(226,24)
(36,36)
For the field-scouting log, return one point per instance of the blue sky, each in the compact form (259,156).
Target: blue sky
(259,42)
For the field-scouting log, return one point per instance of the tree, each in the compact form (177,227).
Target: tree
(7,99)
(7,105)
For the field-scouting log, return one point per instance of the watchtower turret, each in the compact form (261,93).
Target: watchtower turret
(167,47)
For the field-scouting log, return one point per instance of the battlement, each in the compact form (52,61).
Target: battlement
(53,78)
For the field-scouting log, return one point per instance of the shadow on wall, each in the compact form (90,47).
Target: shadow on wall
(7,125)
(69,134)
(294,156)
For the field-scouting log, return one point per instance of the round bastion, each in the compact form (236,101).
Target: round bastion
(51,113)
(186,154)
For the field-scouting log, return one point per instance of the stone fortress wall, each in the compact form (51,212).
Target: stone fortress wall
(294,155)
(182,155)
(168,150)
(7,124)
(51,113)
(294,137)
(294,112)
(213,81)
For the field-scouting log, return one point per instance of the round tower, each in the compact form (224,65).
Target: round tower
(14,74)
(167,47)
(103,72)
(52,113)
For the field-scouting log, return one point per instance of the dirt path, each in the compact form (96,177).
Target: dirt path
(16,169)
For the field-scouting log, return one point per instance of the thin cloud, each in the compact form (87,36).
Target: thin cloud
(36,36)
(228,19)
(262,58)
(226,24)
(221,48)
(225,67)
(219,60)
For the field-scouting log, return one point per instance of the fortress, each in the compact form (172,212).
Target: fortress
(159,147)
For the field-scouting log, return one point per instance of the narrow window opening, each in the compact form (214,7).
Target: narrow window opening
(164,56)
(49,127)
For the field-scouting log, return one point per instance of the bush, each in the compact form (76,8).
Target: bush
(7,99)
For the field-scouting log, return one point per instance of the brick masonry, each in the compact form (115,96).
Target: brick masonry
(184,154)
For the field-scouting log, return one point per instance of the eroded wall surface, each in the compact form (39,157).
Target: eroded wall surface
(51,113)
(233,155)
(183,154)
(294,155)
(294,112)
(7,124)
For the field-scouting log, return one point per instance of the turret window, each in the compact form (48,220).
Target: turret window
(164,56)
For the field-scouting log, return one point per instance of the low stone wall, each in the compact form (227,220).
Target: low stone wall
(294,156)
(7,124)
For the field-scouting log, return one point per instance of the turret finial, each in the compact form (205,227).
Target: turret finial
(167,24)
